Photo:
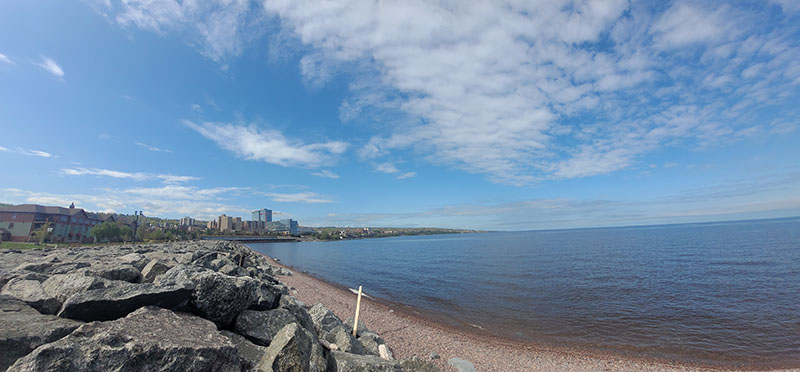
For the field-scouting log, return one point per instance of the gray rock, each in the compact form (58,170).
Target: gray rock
(417,365)
(134,259)
(324,320)
(153,269)
(370,341)
(260,327)
(267,297)
(183,275)
(125,273)
(435,355)
(344,340)
(62,286)
(221,298)
(249,353)
(362,328)
(345,362)
(149,339)
(23,329)
(461,365)
(296,308)
(29,288)
(293,350)
(118,301)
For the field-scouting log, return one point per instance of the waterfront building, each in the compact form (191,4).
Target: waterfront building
(263,215)
(65,225)
(237,224)
(212,225)
(292,226)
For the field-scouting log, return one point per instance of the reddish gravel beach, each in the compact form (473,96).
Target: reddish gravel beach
(409,333)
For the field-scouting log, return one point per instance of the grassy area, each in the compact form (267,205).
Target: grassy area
(19,245)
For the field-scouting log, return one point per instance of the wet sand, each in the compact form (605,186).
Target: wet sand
(409,333)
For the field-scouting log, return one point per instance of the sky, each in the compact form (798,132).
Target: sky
(501,115)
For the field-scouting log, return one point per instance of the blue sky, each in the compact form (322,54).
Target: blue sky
(502,115)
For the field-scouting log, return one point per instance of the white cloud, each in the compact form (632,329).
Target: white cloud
(197,108)
(386,168)
(268,145)
(325,174)
(686,24)
(152,148)
(5,59)
(136,176)
(221,28)
(4,149)
(300,197)
(51,66)
(30,152)
(406,175)
(519,91)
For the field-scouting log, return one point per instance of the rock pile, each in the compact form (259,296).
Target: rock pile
(193,306)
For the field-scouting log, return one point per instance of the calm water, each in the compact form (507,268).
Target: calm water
(712,293)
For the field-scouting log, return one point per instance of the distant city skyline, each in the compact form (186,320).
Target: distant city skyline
(476,115)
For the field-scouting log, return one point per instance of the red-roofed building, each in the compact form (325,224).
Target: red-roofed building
(68,225)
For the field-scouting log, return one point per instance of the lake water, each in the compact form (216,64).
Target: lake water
(719,293)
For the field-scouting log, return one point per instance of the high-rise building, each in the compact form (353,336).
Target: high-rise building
(225,223)
(237,224)
(263,215)
(187,221)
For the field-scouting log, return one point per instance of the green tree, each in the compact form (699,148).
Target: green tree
(110,232)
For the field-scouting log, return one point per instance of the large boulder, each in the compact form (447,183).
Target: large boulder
(62,286)
(149,339)
(324,320)
(260,327)
(125,273)
(267,297)
(249,353)
(362,328)
(293,349)
(118,301)
(371,342)
(221,298)
(344,340)
(28,288)
(23,329)
(153,269)
(346,362)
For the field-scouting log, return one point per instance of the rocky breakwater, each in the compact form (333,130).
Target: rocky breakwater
(191,306)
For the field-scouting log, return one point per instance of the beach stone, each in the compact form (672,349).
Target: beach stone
(260,327)
(221,298)
(153,269)
(118,301)
(362,328)
(435,355)
(384,352)
(461,365)
(23,329)
(149,339)
(249,353)
(324,320)
(344,340)
(29,289)
(293,349)
(134,259)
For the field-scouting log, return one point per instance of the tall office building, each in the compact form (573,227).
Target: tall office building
(263,215)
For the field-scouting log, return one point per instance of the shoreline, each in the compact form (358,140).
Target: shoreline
(412,333)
